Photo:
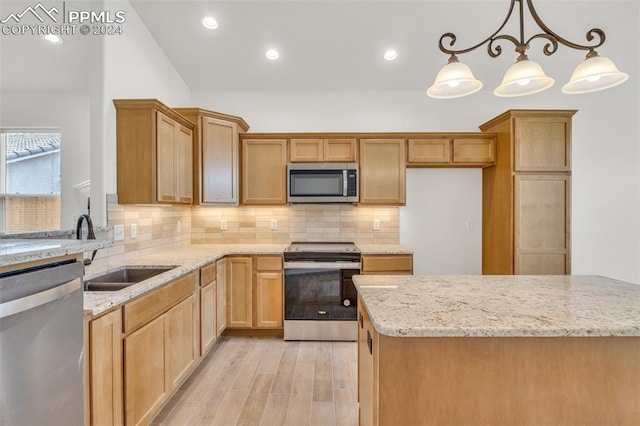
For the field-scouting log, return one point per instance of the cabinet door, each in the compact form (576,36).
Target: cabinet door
(165,156)
(429,151)
(239,300)
(264,170)
(366,376)
(219,167)
(542,144)
(105,366)
(180,341)
(221,297)
(392,264)
(542,224)
(268,299)
(144,365)
(184,164)
(306,150)
(382,171)
(474,151)
(340,150)
(208,331)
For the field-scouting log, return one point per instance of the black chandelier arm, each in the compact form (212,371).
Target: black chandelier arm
(489,39)
(591,34)
(550,48)
(495,51)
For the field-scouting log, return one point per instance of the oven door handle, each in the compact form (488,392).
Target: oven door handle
(321,265)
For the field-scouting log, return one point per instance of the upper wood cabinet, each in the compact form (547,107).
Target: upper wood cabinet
(322,150)
(216,156)
(526,198)
(154,148)
(382,171)
(264,172)
(462,151)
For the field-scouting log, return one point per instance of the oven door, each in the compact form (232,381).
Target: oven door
(319,302)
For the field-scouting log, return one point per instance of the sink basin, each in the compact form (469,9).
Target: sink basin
(124,277)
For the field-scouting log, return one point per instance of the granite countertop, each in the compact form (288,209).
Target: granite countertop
(500,306)
(15,251)
(187,259)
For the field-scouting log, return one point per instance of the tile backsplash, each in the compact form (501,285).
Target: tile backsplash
(158,227)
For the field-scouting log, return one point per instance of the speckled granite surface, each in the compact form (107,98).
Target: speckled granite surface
(49,233)
(383,249)
(13,251)
(186,259)
(501,306)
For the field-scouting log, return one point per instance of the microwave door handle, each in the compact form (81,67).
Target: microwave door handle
(345,183)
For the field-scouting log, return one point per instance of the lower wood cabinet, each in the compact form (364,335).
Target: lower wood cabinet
(221,296)
(239,292)
(208,305)
(268,281)
(387,264)
(367,403)
(105,369)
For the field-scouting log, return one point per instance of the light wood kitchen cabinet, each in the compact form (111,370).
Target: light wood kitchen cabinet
(322,150)
(367,385)
(221,296)
(216,156)
(382,171)
(526,198)
(160,347)
(154,149)
(105,369)
(268,282)
(239,285)
(208,314)
(464,150)
(264,169)
(387,264)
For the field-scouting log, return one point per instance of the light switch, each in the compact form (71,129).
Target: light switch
(223,224)
(376,224)
(134,231)
(118,232)
(274,224)
(179,227)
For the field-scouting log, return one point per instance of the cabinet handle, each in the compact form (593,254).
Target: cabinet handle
(360,319)
(369,342)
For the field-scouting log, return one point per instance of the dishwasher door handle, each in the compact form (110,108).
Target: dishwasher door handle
(34,300)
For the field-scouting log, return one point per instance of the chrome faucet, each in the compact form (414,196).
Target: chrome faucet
(90,235)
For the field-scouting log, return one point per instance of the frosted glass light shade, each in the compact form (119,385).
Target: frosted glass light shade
(593,74)
(525,77)
(454,81)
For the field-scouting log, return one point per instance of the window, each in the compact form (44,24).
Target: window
(29,180)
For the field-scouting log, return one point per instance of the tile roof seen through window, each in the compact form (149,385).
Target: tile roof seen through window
(27,144)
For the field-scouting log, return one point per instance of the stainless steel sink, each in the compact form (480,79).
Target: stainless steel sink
(124,277)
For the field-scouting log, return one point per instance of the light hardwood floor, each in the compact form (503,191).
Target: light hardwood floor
(267,381)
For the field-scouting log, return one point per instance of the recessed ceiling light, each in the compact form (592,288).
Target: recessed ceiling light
(390,55)
(272,54)
(210,22)
(53,38)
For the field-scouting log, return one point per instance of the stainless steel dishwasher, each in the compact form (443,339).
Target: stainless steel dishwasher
(41,345)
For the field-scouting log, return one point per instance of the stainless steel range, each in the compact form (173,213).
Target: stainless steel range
(320,298)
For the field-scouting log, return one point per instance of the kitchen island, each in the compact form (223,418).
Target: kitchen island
(498,350)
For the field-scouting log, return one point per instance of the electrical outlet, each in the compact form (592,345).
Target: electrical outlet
(223,224)
(178,227)
(376,224)
(274,224)
(118,232)
(470,225)
(134,231)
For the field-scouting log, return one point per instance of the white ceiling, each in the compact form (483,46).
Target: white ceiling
(334,45)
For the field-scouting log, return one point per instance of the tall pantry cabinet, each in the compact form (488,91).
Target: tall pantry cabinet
(526,197)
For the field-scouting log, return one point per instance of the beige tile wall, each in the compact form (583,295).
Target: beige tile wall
(328,222)
(201,225)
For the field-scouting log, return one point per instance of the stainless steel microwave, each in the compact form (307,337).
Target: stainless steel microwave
(322,183)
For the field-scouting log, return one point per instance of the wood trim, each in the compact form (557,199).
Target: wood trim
(254,332)
(195,111)
(142,104)
(525,113)
(367,135)
(150,305)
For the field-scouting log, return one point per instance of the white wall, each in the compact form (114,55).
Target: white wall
(134,66)
(68,111)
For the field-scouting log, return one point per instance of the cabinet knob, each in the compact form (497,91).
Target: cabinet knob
(370,342)
(360,319)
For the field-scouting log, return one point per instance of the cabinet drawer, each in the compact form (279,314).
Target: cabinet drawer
(268,263)
(392,264)
(429,151)
(207,274)
(149,306)
(474,151)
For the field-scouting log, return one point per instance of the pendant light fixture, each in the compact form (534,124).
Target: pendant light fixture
(525,77)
